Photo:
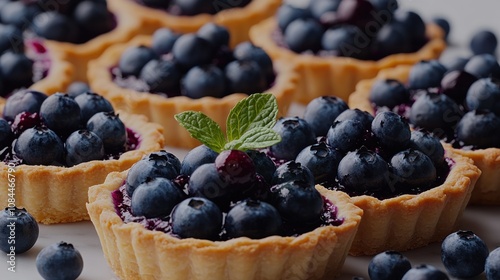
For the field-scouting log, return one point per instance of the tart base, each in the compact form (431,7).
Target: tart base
(54,194)
(134,252)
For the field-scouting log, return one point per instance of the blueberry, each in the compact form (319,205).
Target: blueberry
(112,131)
(55,26)
(355,12)
(413,169)
(288,13)
(6,135)
(91,103)
(346,135)
(77,88)
(161,75)
(193,7)
(155,198)
(201,81)
(16,70)
(392,38)
(18,231)
(197,157)
(133,60)
(435,111)
(298,202)
(426,74)
(413,24)
(389,93)
(484,41)
(346,41)
(391,131)
(292,171)
(236,168)
(483,66)
(388,265)
(191,50)
(39,146)
(429,145)
(480,129)
(464,254)
(59,261)
(320,7)
(245,76)
(61,113)
(456,83)
(158,4)
(206,182)
(17,13)
(296,134)
(484,94)
(163,40)
(248,51)
(425,272)
(492,266)
(11,38)
(264,165)
(83,146)
(363,117)
(322,160)
(453,62)
(253,219)
(385,5)
(23,101)
(93,18)
(217,35)
(303,35)
(362,170)
(321,112)
(444,24)
(196,217)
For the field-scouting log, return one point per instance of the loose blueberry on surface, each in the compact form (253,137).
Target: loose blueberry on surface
(161,75)
(244,76)
(303,35)
(191,50)
(288,13)
(321,112)
(133,60)
(413,169)
(484,94)
(201,81)
(59,261)
(217,35)
(16,70)
(91,103)
(112,131)
(483,41)
(444,24)
(429,145)
(388,93)
(296,134)
(82,146)
(77,88)
(321,159)
(464,254)
(253,219)
(435,112)
(55,26)
(426,74)
(19,226)
(456,83)
(248,51)
(480,129)
(346,135)
(391,131)
(156,198)
(163,40)
(492,266)
(292,171)
(61,113)
(388,265)
(197,157)
(483,66)
(355,114)
(425,272)
(39,146)
(6,134)
(196,217)
(236,168)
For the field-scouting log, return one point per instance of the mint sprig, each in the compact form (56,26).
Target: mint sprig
(249,125)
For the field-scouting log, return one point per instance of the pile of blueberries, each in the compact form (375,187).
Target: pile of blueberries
(195,65)
(64,130)
(191,8)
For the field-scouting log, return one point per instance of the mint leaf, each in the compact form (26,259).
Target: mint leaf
(255,138)
(257,110)
(202,128)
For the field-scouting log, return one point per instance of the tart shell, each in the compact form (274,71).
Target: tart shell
(161,110)
(134,252)
(54,194)
(338,75)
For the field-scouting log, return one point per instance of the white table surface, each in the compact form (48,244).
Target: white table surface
(466,16)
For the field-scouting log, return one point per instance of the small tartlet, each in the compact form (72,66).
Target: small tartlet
(338,75)
(134,252)
(487,189)
(55,194)
(161,110)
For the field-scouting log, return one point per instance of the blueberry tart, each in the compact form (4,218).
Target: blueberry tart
(53,148)
(338,43)
(168,73)
(220,210)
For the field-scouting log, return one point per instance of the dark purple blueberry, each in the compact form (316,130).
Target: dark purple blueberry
(236,168)
(158,4)
(296,134)
(453,62)
(77,88)
(303,35)
(413,24)
(197,157)
(59,261)
(18,231)
(82,146)
(392,38)
(319,7)
(321,112)
(288,13)
(61,113)
(456,83)
(426,74)
(385,5)
(480,129)
(444,24)
(464,254)
(248,51)
(389,93)
(24,121)
(6,135)
(245,76)
(391,131)
(39,146)
(355,12)
(425,272)
(362,170)
(202,81)
(155,198)
(435,111)
(192,7)
(253,219)
(16,70)
(191,50)
(292,171)
(429,145)
(112,131)
(322,160)
(18,13)
(91,103)
(264,165)
(161,75)
(298,202)
(413,169)
(484,94)
(206,182)
(196,217)
(346,135)
(55,26)
(484,41)
(217,35)
(388,265)
(346,40)
(163,41)
(133,60)
(363,117)
(483,66)
(492,266)
(11,38)
(93,18)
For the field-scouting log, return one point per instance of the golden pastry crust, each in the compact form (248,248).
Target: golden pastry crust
(54,194)
(162,110)
(134,252)
(338,75)
(237,20)
(487,190)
